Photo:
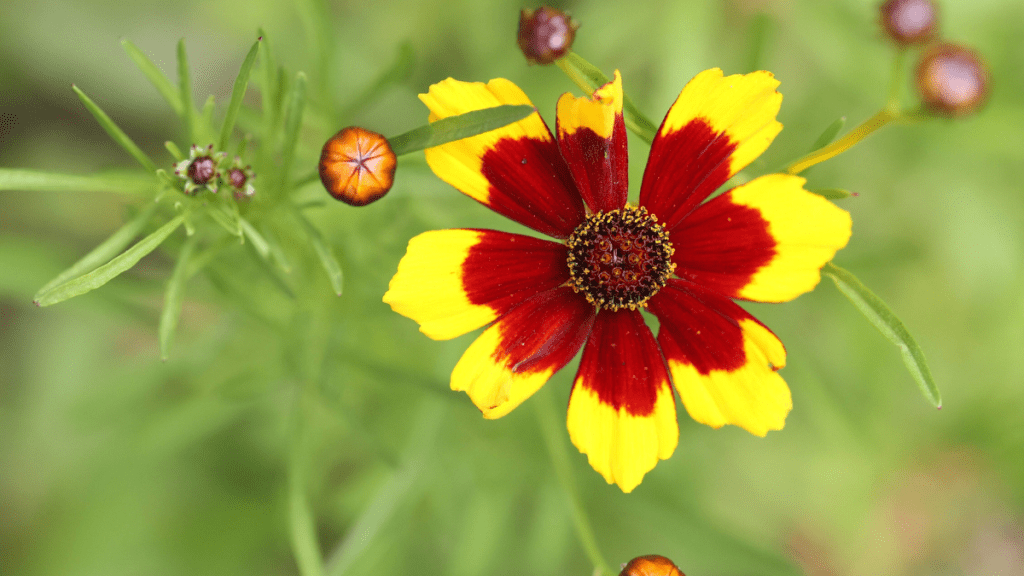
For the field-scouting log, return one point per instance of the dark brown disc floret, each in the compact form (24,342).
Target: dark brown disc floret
(620,258)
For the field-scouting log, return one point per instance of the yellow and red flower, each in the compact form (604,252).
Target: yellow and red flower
(681,258)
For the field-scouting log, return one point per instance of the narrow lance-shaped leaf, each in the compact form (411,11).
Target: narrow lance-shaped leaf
(174,150)
(185,91)
(173,296)
(876,311)
(112,269)
(107,249)
(39,181)
(832,193)
(227,222)
(830,133)
(292,123)
(589,78)
(241,82)
(254,236)
(323,251)
(458,127)
(155,76)
(115,132)
(757,33)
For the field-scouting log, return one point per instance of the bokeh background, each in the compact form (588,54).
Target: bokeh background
(113,462)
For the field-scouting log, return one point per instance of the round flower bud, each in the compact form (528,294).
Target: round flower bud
(545,34)
(952,80)
(357,166)
(652,565)
(202,169)
(909,21)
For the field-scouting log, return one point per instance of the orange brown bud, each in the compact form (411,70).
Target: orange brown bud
(545,34)
(357,166)
(952,80)
(652,565)
(909,21)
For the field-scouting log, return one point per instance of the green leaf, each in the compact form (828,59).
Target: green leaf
(292,123)
(832,193)
(241,82)
(254,236)
(204,132)
(879,314)
(174,150)
(589,78)
(185,92)
(760,29)
(830,133)
(227,221)
(323,251)
(173,296)
(114,131)
(107,249)
(457,127)
(155,76)
(112,269)
(39,181)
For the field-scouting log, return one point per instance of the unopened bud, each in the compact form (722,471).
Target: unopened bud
(545,34)
(357,166)
(952,80)
(652,565)
(201,170)
(909,21)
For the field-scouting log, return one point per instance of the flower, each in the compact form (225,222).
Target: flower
(357,166)
(674,255)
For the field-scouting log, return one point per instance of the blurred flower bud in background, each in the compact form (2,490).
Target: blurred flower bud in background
(652,565)
(545,34)
(909,21)
(952,80)
(357,166)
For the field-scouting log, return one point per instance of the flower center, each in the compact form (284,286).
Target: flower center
(202,169)
(619,259)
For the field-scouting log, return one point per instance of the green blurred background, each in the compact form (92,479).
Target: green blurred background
(112,462)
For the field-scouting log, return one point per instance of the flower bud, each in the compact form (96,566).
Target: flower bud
(652,565)
(909,21)
(201,170)
(239,177)
(357,166)
(545,34)
(952,80)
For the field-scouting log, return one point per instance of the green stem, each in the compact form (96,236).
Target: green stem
(560,460)
(301,523)
(899,62)
(884,117)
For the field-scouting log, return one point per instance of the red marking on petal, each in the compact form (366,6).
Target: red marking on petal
(504,269)
(684,168)
(622,363)
(721,245)
(545,332)
(699,327)
(530,183)
(599,166)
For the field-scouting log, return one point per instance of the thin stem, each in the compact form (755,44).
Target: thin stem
(576,78)
(892,104)
(560,460)
(884,117)
(301,523)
